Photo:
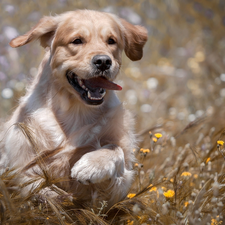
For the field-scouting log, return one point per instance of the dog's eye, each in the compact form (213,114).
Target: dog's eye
(111,41)
(77,41)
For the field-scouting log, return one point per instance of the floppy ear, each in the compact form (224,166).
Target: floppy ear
(44,31)
(135,39)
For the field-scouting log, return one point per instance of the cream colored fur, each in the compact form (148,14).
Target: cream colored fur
(90,146)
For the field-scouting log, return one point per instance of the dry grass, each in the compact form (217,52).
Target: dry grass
(180,180)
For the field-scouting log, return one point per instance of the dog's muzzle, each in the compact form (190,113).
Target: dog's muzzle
(93,90)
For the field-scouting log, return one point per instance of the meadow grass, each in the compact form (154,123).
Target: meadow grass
(179,179)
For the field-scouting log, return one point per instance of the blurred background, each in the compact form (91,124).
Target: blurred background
(180,78)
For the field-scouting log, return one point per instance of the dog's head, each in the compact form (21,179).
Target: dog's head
(86,48)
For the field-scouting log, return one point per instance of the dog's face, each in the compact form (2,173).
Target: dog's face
(89,54)
(86,48)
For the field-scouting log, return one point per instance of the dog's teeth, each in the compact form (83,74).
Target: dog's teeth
(89,95)
(93,98)
(80,82)
(103,94)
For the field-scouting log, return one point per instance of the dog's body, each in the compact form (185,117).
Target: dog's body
(70,118)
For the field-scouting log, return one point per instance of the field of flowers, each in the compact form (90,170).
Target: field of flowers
(177,95)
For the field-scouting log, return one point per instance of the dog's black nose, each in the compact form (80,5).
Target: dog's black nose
(102,62)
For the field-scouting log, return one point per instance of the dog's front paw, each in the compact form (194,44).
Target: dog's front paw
(98,166)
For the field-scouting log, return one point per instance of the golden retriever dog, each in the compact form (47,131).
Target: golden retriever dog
(70,122)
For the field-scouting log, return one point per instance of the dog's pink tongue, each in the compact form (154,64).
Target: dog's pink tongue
(101,82)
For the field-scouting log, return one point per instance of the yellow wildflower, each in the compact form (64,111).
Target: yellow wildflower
(131,195)
(215,222)
(163,188)
(169,194)
(196,176)
(154,139)
(153,189)
(129,222)
(220,142)
(186,174)
(207,160)
(186,204)
(158,135)
(171,180)
(146,150)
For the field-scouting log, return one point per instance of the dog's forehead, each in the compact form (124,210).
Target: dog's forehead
(89,20)
(87,24)
(89,15)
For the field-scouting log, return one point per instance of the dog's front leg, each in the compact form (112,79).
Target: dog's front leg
(99,165)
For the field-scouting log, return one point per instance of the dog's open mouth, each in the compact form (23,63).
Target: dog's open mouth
(92,90)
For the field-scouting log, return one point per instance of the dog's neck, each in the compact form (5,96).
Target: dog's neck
(72,114)
(73,117)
